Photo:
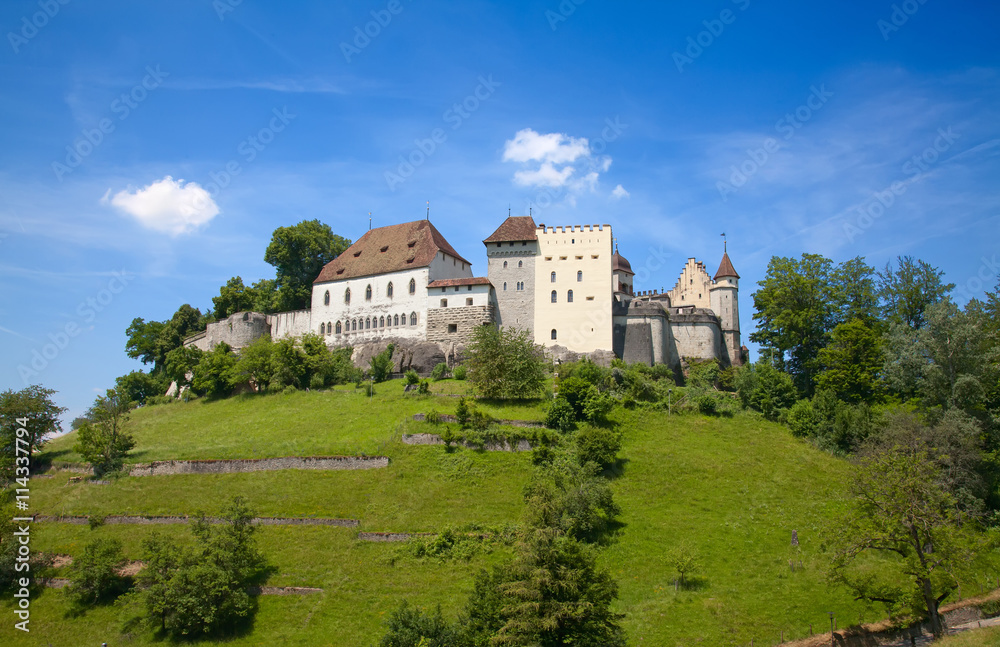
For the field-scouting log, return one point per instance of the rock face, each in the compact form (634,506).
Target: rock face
(563,354)
(421,356)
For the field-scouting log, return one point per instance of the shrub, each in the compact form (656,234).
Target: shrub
(597,445)
(766,389)
(410,627)
(411,377)
(95,521)
(480,420)
(380,366)
(460,372)
(505,364)
(424,388)
(289,390)
(560,415)
(462,412)
(316,382)
(706,404)
(597,406)
(94,574)
(439,372)
(369,389)
(433,417)
(803,419)
(576,390)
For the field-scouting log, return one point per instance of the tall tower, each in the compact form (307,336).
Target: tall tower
(511,251)
(725,303)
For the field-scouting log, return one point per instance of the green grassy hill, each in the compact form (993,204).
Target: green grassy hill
(734,489)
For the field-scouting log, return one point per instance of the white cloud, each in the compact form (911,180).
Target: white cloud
(545,175)
(169,206)
(620,192)
(555,148)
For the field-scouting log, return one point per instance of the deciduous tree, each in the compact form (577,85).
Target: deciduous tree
(298,253)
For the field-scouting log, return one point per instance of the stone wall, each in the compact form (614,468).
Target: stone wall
(516,308)
(697,335)
(290,324)
(456,325)
(162,468)
(239,330)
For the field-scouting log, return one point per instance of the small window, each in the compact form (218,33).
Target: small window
(594,256)
(456,288)
(347,295)
(468,301)
(563,258)
(443,290)
(413,286)
(368,323)
(413,318)
(555,297)
(381,322)
(579,276)
(339,328)
(326,298)
(329,328)
(505,264)
(444,303)
(499,244)
(520,264)
(354,324)
(469,288)
(452,328)
(322,329)
(388,290)
(554,335)
(548,258)
(505,286)
(395,320)
(368,293)
(569,296)
(553,277)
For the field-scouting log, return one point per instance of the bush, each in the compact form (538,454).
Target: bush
(424,388)
(316,382)
(411,377)
(369,389)
(433,417)
(597,406)
(380,366)
(410,627)
(480,420)
(576,390)
(462,412)
(597,445)
(706,404)
(94,574)
(289,390)
(560,415)
(803,420)
(766,389)
(439,372)
(460,372)
(505,364)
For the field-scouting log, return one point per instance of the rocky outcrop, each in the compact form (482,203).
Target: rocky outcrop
(420,356)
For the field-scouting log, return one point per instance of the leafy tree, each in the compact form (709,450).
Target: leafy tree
(795,308)
(380,366)
(150,342)
(505,364)
(764,388)
(213,374)
(856,295)
(255,364)
(203,591)
(180,362)
(139,386)
(560,415)
(94,575)
(576,391)
(105,441)
(900,509)
(439,372)
(143,340)
(235,297)
(34,403)
(410,627)
(412,377)
(298,253)
(685,561)
(908,290)
(852,363)
(574,499)
(597,445)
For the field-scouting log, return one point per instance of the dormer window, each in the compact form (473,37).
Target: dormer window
(383,250)
(368,293)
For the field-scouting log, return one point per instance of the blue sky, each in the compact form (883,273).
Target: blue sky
(150,149)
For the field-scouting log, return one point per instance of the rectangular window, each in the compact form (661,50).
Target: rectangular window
(452,328)
(562,258)
(548,258)
(594,256)
(590,298)
(468,301)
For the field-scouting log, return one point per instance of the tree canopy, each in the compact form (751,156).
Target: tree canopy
(298,253)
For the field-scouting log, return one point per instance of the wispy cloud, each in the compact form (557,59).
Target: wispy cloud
(313,85)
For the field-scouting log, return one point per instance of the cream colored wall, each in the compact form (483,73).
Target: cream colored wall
(693,287)
(584,325)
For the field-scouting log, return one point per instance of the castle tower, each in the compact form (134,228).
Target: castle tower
(622,276)
(724,295)
(511,251)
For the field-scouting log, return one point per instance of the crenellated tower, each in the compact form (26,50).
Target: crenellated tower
(724,295)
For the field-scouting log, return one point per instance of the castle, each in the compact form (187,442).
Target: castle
(567,286)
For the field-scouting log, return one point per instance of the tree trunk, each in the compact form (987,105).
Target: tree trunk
(932,608)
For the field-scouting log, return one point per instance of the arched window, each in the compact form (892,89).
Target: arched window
(329,328)
(326,298)
(339,328)
(413,318)
(381,322)
(555,297)
(553,275)
(395,320)
(388,290)
(354,324)
(579,276)
(368,323)
(347,295)
(368,293)
(569,296)
(413,286)
(554,333)
(505,286)
(520,264)
(505,264)
(322,329)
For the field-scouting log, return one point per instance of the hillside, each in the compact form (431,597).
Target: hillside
(734,489)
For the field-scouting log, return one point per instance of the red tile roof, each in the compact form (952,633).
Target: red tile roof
(514,228)
(725,268)
(618,263)
(389,249)
(447,283)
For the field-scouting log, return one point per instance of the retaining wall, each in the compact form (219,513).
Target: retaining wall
(163,468)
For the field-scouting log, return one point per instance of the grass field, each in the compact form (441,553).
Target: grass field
(733,489)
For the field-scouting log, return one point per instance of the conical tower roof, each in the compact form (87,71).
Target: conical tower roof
(725,268)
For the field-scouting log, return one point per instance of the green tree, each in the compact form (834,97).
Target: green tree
(795,308)
(255,364)
(181,362)
(901,510)
(411,627)
(105,441)
(213,374)
(852,363)
(505,364)
(856,295)
(573,498)
(233,297)
(764,388)
(908,290)
(139,386)
(298,253)
(150,342)
(32,405)
(95,574)
(380,366)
